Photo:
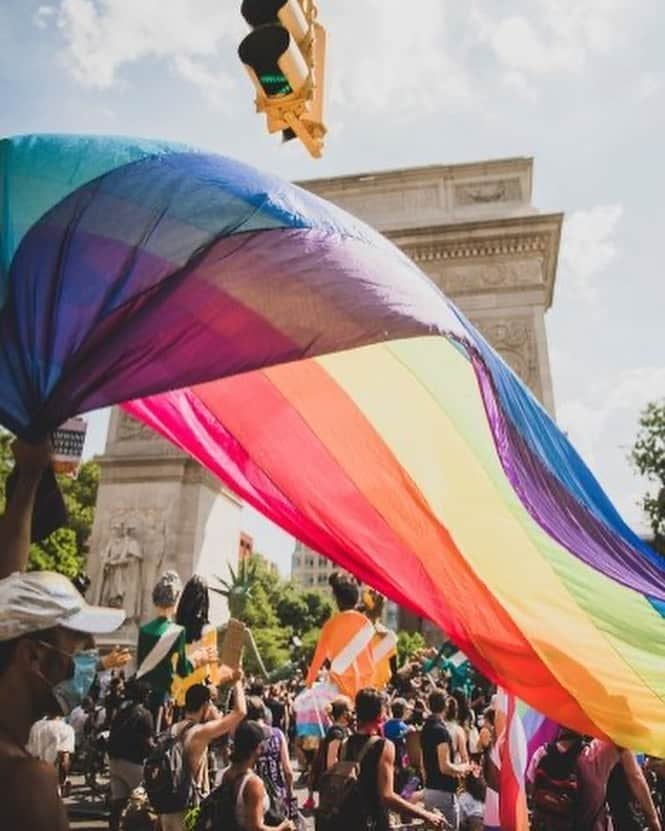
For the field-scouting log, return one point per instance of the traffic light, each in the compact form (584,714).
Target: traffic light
(284,55)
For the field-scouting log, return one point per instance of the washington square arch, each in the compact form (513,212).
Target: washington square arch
(472,229)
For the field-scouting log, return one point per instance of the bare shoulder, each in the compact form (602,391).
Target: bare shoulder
(255,787)
(388,752)
(23,779)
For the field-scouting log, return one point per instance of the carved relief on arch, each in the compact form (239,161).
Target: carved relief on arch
(483,193)
(515,340)
(131,429)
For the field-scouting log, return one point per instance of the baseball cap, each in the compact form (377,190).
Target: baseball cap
(42,599)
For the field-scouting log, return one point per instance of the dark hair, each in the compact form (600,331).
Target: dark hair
(195,697)
(193,608)
(247,739)
(437,701)
(257,687)
(452,709)
(340,707)
(345,589)
(567,734)
(398,708)
(255,708)
(137,691)
(463,708)
(369,703)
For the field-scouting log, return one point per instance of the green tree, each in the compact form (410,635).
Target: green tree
(58,552)
(293,611)
(259,611)
(309,642)
(648,457)
(64,550)
(408,644)
(6,463)
(273,646)
(303,609)
(319,607)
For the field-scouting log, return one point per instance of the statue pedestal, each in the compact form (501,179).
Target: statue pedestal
(156,503)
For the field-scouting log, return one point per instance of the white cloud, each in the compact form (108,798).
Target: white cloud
(517,82)
(552,36)
(104,36)
(649,85)
(383,59)
(42,16)
(215,86)
(588,247)
(408,66)
(380,59)
(603,425)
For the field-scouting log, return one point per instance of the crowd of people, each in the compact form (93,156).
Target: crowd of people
(193,745)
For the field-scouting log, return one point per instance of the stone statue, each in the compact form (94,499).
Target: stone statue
(121,582)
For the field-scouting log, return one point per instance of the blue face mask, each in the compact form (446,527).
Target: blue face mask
(71,692)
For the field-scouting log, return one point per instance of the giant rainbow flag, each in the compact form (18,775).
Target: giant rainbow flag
(306,361)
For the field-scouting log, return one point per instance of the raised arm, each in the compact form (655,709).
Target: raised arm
(16,524)
(218,726)
(640,789)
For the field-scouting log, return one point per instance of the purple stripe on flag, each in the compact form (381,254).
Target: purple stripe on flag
(554,508)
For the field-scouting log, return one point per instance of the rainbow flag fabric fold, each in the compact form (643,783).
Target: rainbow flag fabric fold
(301,357)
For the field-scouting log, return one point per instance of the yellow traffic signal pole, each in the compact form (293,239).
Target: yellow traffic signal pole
(302,65)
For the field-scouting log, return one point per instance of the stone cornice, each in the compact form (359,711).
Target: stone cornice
(148,467)
(414,197)
(378,178)
(443,247)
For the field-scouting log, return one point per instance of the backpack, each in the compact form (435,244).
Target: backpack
(555,789)
(166,776)
(321,759)
(218,809)
(340,799)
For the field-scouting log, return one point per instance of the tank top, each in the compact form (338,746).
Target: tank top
(368,778)
(241,808)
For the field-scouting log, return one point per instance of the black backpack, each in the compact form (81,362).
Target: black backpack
(556,790)
(341,803)
(217,812)
(320,760)
(166,775)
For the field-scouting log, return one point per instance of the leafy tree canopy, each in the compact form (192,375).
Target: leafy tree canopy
(65,549)
(648,457)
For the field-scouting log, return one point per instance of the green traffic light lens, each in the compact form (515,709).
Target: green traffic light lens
(275,84)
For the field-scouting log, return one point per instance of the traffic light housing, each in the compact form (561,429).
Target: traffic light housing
(284,55)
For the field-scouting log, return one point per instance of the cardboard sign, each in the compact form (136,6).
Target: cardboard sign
(233,643)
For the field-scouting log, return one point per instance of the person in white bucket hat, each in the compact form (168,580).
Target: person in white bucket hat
(48,659)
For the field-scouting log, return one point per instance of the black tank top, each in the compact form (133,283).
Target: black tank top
(368,778)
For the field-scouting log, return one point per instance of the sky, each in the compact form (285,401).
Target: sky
(577,84)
